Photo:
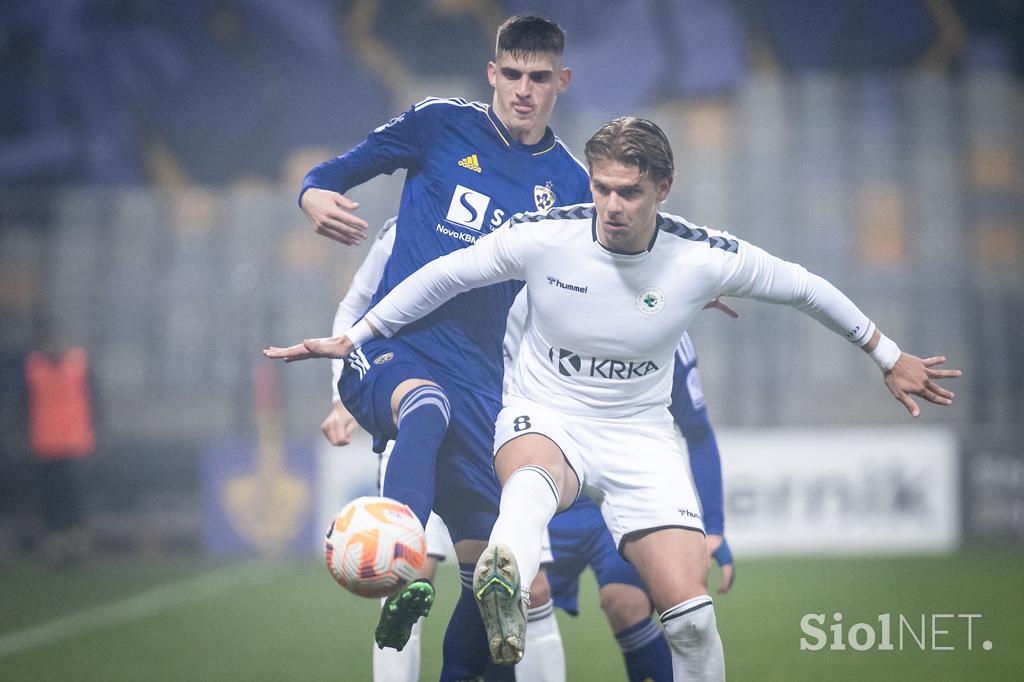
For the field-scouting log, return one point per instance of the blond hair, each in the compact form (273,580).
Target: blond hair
(633,142)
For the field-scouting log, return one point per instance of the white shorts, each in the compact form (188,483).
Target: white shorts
(439,542)
(634,468)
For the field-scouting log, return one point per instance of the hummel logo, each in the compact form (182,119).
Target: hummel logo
(471,162)
(555,282)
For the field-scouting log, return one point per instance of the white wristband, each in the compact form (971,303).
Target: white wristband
(886,353)
(360,333)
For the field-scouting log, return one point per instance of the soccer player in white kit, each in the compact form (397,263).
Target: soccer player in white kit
(611,289)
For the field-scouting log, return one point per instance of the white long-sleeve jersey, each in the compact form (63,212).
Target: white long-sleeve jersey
(364,284)
(602,327)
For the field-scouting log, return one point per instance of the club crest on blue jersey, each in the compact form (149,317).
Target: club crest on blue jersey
(383,357)
(544,196)
(650,301)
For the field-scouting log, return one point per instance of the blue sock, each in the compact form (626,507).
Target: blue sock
(499,673)
(422,421)
(646,652)
(495,672)
(465,642)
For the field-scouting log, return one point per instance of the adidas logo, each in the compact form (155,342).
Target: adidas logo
(471,163)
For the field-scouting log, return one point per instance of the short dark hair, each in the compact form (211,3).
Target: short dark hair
(633,142)
(527,34)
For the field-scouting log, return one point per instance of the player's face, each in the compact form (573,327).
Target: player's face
(627,205)
(525,91)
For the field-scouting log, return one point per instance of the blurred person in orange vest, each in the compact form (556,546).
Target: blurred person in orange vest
(60,434)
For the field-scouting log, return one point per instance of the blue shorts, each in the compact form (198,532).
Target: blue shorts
(467,492)
(580,538)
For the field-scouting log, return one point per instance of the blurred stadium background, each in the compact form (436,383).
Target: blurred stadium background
(150,155)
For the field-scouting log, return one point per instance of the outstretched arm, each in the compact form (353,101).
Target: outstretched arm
(906,375)
(334,347)
(753,273)
(331,214)
(493,258)
(397,144)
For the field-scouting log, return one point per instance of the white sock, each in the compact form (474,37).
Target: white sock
(390,665)
(544,660)
(528,501)
(693,636)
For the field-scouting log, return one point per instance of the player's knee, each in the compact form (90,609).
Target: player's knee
(415,394)
(691,624)
(624,605)
(692,632)
(540,590)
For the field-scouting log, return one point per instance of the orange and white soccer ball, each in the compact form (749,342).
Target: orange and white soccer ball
(374,546)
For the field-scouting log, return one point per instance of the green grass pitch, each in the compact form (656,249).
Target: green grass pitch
(288,621)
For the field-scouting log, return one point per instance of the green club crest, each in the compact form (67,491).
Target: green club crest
(650,301)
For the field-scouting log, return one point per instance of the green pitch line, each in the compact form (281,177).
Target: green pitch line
(137,607)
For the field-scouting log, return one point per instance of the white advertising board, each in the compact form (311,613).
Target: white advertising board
(892,490)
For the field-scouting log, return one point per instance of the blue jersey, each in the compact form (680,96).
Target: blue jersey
(466,176)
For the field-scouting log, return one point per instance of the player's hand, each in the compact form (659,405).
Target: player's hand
(339,425)
(719,550)
(335,347)
(718,305)
(913,376)
(329,213)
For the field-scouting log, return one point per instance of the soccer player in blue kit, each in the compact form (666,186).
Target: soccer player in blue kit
(435,389)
